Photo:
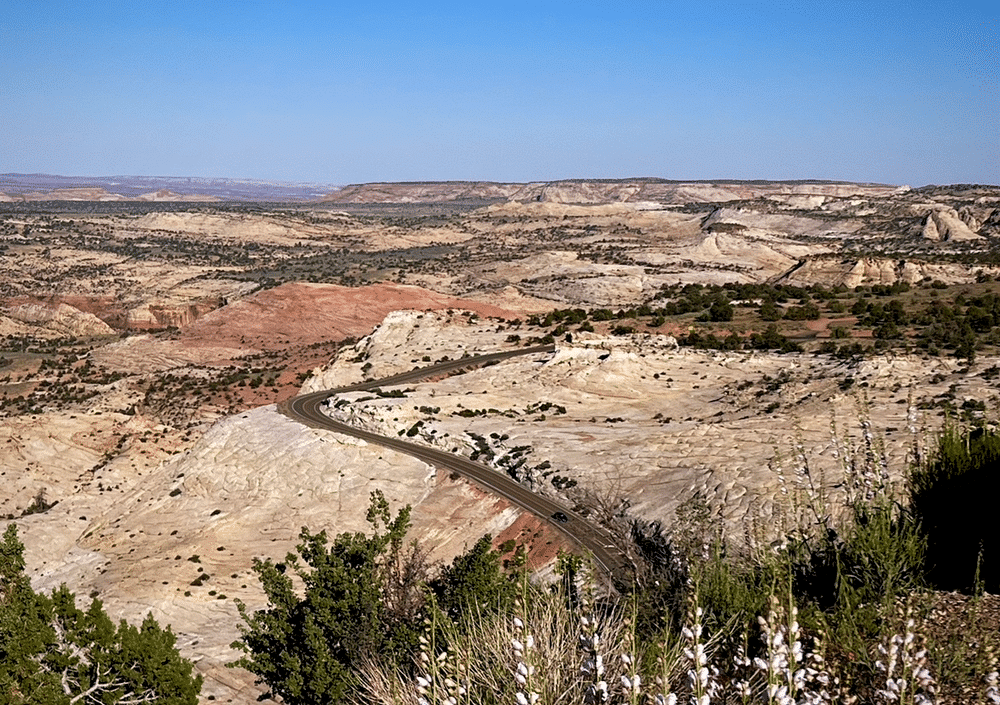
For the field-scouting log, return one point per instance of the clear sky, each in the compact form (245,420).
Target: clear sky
(347,92)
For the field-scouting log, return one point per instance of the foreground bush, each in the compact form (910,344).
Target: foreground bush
(356,596)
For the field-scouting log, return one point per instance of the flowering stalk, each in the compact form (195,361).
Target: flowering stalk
(742,663)
(429,686)
(523,644)
(631,681)
(457,680)
(794,673)
(907,678)
(664,696)
(700,677)
(818,676)
(592,667)
(776,651)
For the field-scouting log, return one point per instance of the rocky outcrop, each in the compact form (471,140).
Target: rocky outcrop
(422,192)
(578,192)
(59,319)
(224,226)
(991,223)
(152,316)
(305,311)
(393,346)
(781,224)
(831,272)
(945,225)
(243,491)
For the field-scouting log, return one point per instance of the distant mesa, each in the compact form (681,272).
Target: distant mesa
(597,191)
(53,187)
(101,194)
(167,195)
(48,187)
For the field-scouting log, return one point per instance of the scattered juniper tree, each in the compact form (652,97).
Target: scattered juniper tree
(306,648)
(476,580)
(53,653)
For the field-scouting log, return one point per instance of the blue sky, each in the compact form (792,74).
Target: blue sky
(892,92)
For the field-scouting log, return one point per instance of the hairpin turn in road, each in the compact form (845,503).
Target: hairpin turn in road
(307,409)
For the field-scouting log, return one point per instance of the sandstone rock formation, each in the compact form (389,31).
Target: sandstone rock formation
(156,315)
(319,311)
(55,320)
(834,271)
(944,224)
(685,412)
(101,194)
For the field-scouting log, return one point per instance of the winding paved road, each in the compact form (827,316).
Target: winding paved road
(307,409)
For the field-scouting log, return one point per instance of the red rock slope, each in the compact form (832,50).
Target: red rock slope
(299,313)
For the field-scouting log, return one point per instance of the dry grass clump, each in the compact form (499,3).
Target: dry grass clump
(557,653)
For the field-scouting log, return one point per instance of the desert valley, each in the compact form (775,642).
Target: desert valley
(743,345)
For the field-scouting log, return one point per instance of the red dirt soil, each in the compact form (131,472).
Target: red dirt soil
(303,313)
(298,324)
(542,541)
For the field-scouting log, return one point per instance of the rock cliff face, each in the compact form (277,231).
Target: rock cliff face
(421,192)
(151,315)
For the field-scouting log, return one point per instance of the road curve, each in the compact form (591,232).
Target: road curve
(307,409)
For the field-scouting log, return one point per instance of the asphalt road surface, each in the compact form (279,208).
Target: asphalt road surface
(307,409)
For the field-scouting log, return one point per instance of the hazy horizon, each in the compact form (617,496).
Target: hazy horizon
(330,93)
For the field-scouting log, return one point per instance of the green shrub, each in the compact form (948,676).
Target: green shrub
(359,601)
(952,496)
